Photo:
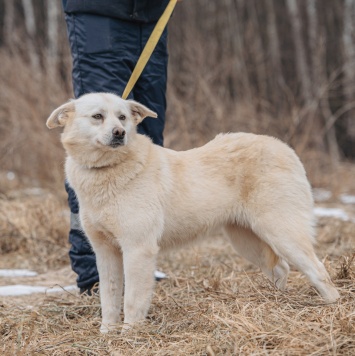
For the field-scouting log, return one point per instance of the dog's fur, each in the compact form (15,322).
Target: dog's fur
(137,198)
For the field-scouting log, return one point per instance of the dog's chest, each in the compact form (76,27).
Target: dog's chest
(94,187)
(113,207)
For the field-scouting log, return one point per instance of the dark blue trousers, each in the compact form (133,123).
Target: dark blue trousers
(105,51)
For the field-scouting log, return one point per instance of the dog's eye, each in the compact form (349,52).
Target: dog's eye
(122,117)
(97,116)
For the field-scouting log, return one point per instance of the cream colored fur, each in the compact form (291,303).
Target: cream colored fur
(138,198)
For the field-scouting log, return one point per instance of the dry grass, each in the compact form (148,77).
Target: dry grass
(214,303)
(33,230)
(27,147)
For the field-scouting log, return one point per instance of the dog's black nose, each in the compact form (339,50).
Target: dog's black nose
(118,132)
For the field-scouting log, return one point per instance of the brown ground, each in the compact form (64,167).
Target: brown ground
(214,302)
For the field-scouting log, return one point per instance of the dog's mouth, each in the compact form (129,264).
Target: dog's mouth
(116,142)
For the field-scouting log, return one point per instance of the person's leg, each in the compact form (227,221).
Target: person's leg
(82,258)
(104,52)
(150,89)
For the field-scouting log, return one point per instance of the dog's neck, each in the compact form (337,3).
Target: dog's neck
(127,162)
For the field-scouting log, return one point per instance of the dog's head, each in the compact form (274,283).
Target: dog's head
(100,119)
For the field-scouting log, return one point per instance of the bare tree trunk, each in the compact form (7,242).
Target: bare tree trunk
(314,44)
(237,53)
(52,45)
(9,20)
(316,38)
(300,55)
(258,52)
(30,23)
(277,80)
(349,63)
(274,43)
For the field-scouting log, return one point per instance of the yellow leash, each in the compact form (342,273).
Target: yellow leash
(149,48)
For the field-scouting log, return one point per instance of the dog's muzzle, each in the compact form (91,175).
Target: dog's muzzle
(118,136)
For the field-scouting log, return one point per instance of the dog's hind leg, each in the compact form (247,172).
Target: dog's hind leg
(110,266)
(251,247)
(291,238)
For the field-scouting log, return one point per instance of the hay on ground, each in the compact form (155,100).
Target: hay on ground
(33,231)
(214,303)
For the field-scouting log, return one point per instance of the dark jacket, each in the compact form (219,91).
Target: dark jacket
(144,11)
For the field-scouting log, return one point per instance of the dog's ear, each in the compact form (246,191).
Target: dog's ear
(60,115)
(139,111)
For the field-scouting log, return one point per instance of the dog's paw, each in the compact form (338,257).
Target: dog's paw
(331,295)
(126,328)
(106,328)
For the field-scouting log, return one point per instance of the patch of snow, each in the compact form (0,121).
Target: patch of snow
(159,275)
(332,213)
(320,194)
(34,191)
(17,273)
(10,175)
(19,289)
(347,199)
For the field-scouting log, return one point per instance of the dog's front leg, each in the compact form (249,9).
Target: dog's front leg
(139,265)
(110,266)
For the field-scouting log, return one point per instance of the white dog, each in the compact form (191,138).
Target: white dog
(137,198)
